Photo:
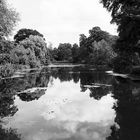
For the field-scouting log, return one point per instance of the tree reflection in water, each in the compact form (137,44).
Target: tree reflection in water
(11,87)
(87,77)
(98,83)
(29,95)
(83,75)
(7,109)
(127,111)
(66,74)
(98,92)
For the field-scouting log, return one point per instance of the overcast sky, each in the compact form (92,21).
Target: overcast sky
(61,21)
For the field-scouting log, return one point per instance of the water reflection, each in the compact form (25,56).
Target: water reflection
(10,134)
(64,115)
(66,73)
(127,110)
(31,94)
(7,109)
(58,103)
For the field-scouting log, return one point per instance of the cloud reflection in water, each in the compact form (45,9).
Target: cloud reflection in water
(64,113)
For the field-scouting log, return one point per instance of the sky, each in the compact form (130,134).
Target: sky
(62,21)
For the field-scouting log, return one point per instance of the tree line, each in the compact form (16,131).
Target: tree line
(29,47)
(122,52)
(95,49)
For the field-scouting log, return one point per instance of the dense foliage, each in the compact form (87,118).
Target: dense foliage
(28,48)
(126,14)
(8,18)
(31,52)
(25,33)
(96,49)
(65,52)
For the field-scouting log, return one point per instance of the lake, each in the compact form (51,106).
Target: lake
(69,103)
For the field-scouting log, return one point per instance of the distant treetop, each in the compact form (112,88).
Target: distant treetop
(25,33)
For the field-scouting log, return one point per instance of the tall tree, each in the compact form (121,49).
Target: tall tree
(126,14)
(75,53)
(31,51)
(64,52)
(96,46)
(8,18)
(25,33)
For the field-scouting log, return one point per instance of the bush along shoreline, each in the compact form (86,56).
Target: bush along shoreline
(30,52)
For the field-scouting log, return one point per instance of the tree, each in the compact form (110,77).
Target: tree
(64,52)
(122,8)
(50,51)
(97,34)
(97,47)
(19,55)
(5,49)
(83,47)
(37,49)
(102,53)
(6,46)
(54,54)
(126,14)
(8,18)
(25,33)
(75,53)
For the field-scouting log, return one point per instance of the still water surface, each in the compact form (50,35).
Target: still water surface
(68,103)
